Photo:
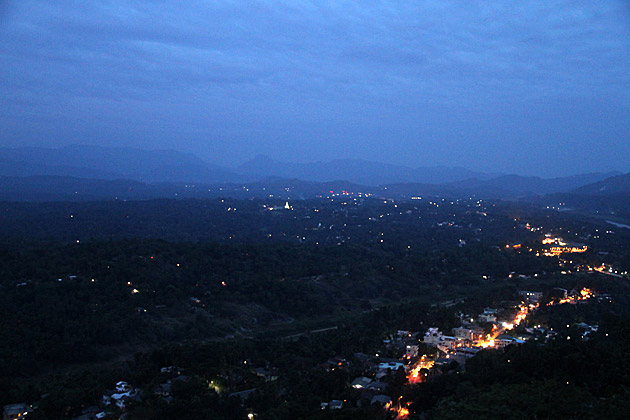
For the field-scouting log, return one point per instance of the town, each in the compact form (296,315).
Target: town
(314,210)
(364,330)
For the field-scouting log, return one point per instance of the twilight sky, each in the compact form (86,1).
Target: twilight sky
(534,87)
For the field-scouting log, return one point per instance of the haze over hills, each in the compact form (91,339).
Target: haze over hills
(358,171)
(619,184)
(173,166)
(83,161)
(92,173)
(152,166)
(520,186)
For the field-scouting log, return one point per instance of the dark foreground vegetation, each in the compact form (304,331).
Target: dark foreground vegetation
(95,293)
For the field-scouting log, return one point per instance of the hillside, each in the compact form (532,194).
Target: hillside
(613,185)
(111,163)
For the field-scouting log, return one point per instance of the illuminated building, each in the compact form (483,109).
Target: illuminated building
(568,248)
(530,296)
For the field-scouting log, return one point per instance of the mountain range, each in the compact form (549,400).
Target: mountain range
(83,161)
(129,173)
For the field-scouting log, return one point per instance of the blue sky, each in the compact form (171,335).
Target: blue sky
(534,87)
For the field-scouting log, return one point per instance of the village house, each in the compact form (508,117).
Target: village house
(336,363)
(505,340)
(528,296)
(381,400)
(444,343)
(119,397)
(390,365)
(411,351)
(432,337)
(463,353)
(488,315)
(15,411)
(463,333)
(376,386)
(335,405)
(361,382)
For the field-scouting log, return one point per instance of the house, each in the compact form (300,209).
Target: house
(360,382)
(122,386)
(120,395)
(505,339)
(120,399)
(111,396)
(337,362)
(435,338)
(463,333)
(463,353)
(382,400)
(15,411)
(335,404)
(448,343)
(411,351)
(390,365)
(529,296)
(403,333)
(586,326)
(432,337)
(488,315)
(443,361)
(377,386)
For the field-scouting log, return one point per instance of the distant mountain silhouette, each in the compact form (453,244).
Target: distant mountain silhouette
(111,163)
(357,171)
(67,165)
(513,186)
(21,168)
(607,198)
(619,184)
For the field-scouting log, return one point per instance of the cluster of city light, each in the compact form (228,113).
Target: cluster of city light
(403,413)
(561,247)
(414,376)
(585,294)
(521,315)
(487,342)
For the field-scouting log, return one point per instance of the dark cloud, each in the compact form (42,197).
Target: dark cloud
(540,87)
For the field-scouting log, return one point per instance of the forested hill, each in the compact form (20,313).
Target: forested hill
(614,185)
